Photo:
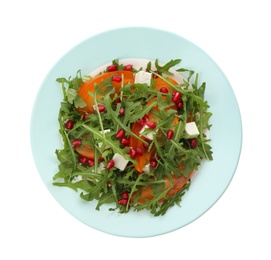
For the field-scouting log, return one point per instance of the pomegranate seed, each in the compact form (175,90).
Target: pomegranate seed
(170,134)
(139,151)
(128,67)
(125,141)
(90,162)
(117,78)
(132,153)
(151,124)
(176,97)
(153,163)
(117,100)
(120,134)
(76,143)
(123,201)
(112,67)
(141,122)
(110,164)
(145,118)
(164,90)
(82,159)
(179,104)
(101,108)
(69,124)
(155,157)
(122,111)
(125,195)
(146,146)
(193,143)
(85,116)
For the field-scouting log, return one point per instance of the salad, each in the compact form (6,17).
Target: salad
(133,136)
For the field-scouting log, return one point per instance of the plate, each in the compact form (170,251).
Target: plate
(147,43)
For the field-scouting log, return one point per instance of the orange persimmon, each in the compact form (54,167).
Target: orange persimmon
(86,151)
(177,185)
(89,86)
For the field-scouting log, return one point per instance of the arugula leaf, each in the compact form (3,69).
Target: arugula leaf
(165,69)
(74,98)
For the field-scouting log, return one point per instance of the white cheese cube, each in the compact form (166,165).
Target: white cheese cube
(143,77)
(147,168)
(191,129)
(149,135)
(120,161)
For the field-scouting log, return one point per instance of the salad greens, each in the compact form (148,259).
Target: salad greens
(168,157)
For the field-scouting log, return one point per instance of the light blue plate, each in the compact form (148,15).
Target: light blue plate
(226,132)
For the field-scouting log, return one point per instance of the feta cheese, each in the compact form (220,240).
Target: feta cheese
(149,135)
(143,77)
(191,129)
(147,168)
(120,161)
(101,167)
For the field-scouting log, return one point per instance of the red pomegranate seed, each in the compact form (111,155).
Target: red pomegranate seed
(90,162)
(132,153)
(120,134)
(151,124)
(155,157)
(125,195)
(176,97)
(101,108)
(69,124)
(128,67)
(164,90)
(76,143)
(139,151)
(125,141)
(141,122)
(179,104)
(85,116)
(145,118)
(123,201)
(193,143)
(112,67)
(153,163)
(110,164)
(170,134)
(117,100)
(117,78)
(122,111)
(146,146)
(82,159)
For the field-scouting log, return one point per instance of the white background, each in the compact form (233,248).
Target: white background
(35,34)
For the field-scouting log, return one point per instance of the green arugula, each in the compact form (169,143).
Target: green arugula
(106,186)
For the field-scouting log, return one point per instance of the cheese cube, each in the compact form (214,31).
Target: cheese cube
(147,168)
(101,167)
(120,161)
(191,129)
(149,135)
(143,77)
